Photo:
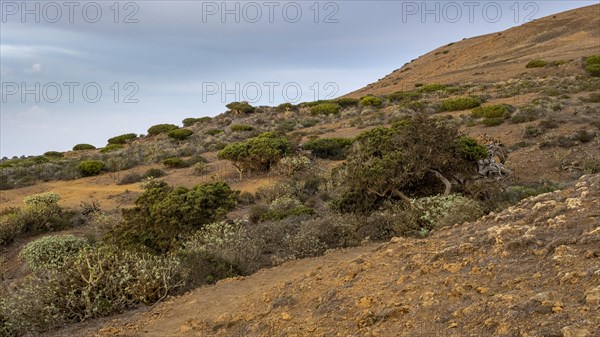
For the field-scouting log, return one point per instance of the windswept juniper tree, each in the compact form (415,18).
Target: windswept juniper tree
(416,157)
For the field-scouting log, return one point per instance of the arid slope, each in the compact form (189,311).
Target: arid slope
(500,56)
(531,270)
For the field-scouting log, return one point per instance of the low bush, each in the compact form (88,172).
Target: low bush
(130,178)
(346,102)
(403,96)
(241,128)
(471,149)
(163,213)
(175,162)
(219,250)
(371,101)
(283,107)
(99,281)
(90,168)
(161,128)
(536,64)
(153,173)
(213,132)
(433,87)
(180,134)
(460,103)
(491,111)
(42,199)
(83,147)
(489,122)
(191,121)
(51,252)
(593,65)
(122,139)
(240,107)
(54,154)
(41,214)
(583,136)
(111,147)
(325,109)
(439,211)
(329,148)
(532,132)
(246,198)
(288,166)
(307,123)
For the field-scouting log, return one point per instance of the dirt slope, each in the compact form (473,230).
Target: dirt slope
(499,56)
(531,270)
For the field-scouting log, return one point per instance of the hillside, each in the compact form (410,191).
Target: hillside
(531,270)
(500,56)
(330,218)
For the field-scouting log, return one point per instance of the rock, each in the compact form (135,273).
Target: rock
(365,302)
(570,331)
(592,296)
(285,316)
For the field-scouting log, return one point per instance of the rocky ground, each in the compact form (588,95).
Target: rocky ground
(531,270)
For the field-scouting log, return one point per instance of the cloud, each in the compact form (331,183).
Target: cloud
(34,69)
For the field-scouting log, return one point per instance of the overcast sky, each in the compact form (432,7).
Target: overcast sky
(82,72)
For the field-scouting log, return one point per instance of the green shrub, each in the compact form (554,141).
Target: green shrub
(175,162)
(439,211)
(241,128)
(130,178)
(111,148)
(260,153)
(90,168)
(240,107)
(307,123)
(491,111)
(593,65)
(329,148)
(213,132)
(153,173)
(531,132)
(54,154)
(583,136)
(346,102)
(122,139)
(51,252)
(162,213)
(82,147)
(288,166)
(42,199)
(470,149)
(99,282)
(283,107)
(433,87)
(396,163)
(246,198)
(371,101)
(161,128)
(489,122)
(180,134)
(41,214)
(536,64)
(273,215)
(460,103)
(325,109)
(524,115)
(191,121)
(403,96)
